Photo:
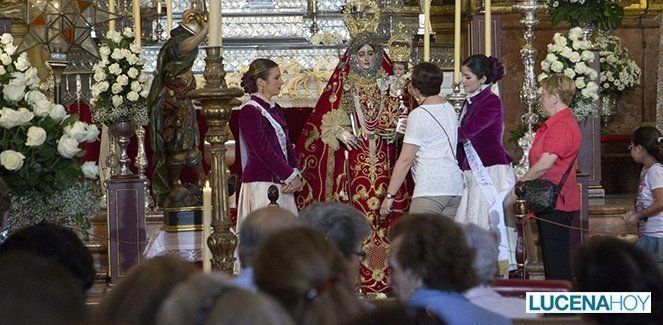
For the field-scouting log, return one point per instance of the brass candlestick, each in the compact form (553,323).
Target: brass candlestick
(218,100)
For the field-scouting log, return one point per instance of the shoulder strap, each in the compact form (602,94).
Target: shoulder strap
(453,151)
(566,174)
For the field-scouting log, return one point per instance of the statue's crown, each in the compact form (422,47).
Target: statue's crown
(361,16)
(400,45)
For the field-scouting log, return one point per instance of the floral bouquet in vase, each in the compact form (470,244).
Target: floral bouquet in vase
(604,14)
(39,153)
(619,73)
(119,92)
(570,55)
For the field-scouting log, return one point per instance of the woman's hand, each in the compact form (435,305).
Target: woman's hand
(350,141)
(385,208)
(631,217)
(296,185)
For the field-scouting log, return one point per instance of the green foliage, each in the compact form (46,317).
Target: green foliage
(604,14)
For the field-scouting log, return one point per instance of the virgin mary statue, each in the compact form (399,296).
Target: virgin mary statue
(347,148)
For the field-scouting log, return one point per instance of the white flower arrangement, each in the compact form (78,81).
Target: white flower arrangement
(120,90)
(38,149)
(570,56)
(326,38)
(619,73)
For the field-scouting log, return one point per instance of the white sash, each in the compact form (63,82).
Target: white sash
(280,134)
(495,199)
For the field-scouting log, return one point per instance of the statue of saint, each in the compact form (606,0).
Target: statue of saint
(173,125)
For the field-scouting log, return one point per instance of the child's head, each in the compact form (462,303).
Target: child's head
(400,68)
(647,140)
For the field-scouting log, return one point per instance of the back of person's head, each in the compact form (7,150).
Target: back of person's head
(397,315)
(608,264)
(211,299)
(258,69)
(427,78)
(434,248)
(343,224)
(259,225)
(651,140)
(485,245)
(57,242)
(307,274)
(560,84)
(483,66)
(137,298)
(38,290)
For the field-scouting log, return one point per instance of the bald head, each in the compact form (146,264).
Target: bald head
(259,225)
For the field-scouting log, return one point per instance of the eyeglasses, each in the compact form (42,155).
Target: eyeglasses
(361,255)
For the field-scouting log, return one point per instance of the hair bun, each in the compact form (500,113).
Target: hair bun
(498,69)
(248,84)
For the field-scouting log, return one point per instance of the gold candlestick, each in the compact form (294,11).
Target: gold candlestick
(218,100)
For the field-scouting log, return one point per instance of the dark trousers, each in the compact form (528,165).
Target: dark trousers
(554,241)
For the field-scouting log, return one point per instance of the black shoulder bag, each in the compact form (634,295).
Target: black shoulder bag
(541,195)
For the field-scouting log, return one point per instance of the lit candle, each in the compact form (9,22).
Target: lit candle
(135,8)
(488,43)
(214,22)
(111,9)
(457,41)
(169,16)
(159,7)
(207,221)
(427,31)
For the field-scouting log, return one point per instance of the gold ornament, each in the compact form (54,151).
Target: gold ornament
(361,16)
(400,45)
(193,20)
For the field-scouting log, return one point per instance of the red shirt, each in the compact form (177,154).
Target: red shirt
(560,135)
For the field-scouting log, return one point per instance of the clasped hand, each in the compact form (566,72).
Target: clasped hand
(631,217)
(350,141)
(295,185)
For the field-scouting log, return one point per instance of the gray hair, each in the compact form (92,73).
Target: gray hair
(259,225)
(345,226)
(485,244)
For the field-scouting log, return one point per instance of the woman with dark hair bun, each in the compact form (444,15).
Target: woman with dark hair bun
(481,155)
(268,156)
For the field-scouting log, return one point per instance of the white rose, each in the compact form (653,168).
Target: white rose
(92,133)
(580,83)
(99,76)
(122,80)
(132,96)
(117,88)
(68,147)
(545,65)
(19,79)
(117,101)
(136,86)
(144,93)
(574,57)
(5,58)
(134,48)
(105,50)
(559,40)
(57,112)
(117,38)
(575,33)
(581,67)
(36,136)
(9,118)
(22,62)
(115,69)
(42,107)
(34,96)
(7,39)
(117,54)
(569,73)
(90,169)
(103,86)
(10,49)
(132,73)
(557,66)
(12,160)
(76,131)
(127,32)
(132,59)
(126,53)
(25,116)
(13,93)
(551,57)
(2,70)
(566,52)
(587,55)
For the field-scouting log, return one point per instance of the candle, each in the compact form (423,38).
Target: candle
(135,8)
(159,7)
(207,221)
(111,9)
(169,16)
(488,44)
(457,41)
(214,23)
(427,31)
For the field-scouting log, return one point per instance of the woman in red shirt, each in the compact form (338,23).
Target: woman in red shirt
(555,148)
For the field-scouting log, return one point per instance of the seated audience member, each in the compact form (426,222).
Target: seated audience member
(137,298)
(431,266)
(485,267)
(38,290)
(307,275)
(57,242)
(257,226)
(344,225)
(397,315)
(212,299)
(608,264)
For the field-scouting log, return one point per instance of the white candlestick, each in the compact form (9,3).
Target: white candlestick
(488,34)
(457,41)
(214,23)
(159,7)
(207,221)
(111,9)
(427,31)
(135,8)
(169,16)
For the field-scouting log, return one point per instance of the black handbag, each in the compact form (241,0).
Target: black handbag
(541,195)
